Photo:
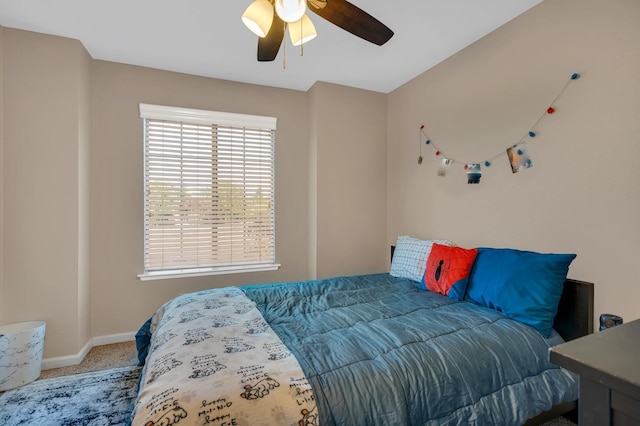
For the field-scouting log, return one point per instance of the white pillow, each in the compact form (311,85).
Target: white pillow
(410,257)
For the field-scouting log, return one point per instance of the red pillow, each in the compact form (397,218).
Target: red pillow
(448,270)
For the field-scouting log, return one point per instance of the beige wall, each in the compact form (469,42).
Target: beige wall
(84,196)
(2,168)
(120,301)
(350,151)
(312,163)
(582,194)
(45,210)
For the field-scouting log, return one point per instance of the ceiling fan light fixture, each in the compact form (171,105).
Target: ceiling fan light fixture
(258,17)
(302,31)
(291,10)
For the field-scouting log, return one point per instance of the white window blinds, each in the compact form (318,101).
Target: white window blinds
(209,192)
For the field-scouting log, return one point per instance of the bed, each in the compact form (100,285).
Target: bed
(372,349)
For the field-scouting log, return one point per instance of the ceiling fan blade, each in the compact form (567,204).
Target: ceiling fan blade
(355,20)
(269,45)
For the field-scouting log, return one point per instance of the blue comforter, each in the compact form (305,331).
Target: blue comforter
(379,351)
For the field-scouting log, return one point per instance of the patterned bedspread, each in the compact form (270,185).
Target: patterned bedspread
(215,361)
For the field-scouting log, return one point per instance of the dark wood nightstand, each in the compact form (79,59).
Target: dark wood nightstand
(608,363)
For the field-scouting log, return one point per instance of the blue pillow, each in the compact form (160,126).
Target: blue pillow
(524,285)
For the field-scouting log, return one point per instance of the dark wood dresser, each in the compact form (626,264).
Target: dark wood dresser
(608,363)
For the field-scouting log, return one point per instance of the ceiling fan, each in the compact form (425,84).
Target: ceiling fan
(268,19)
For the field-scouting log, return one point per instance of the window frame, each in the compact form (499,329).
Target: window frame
(206,118)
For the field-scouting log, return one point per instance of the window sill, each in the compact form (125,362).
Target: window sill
(200,272)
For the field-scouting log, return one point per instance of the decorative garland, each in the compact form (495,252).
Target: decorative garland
(517,153)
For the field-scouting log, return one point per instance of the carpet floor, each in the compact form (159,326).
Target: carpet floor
(100,391)
(99,358)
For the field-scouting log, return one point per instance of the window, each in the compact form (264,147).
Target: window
(209,192)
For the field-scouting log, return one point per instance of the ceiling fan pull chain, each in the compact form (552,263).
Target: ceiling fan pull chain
(284,51)
(302,43)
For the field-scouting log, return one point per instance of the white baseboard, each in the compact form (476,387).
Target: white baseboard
(68,360)
(113,338)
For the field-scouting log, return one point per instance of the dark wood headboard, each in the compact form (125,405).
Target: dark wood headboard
(575,310)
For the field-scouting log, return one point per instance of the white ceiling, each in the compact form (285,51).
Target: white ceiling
(207,38)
